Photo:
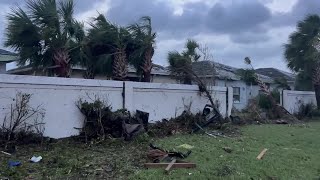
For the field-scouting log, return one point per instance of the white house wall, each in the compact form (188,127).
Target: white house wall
(243,91)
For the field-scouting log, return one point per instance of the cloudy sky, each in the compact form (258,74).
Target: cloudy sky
(232,29)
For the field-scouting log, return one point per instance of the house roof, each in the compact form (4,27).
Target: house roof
(156,69)
(208,69)
(276,73)
(6,56)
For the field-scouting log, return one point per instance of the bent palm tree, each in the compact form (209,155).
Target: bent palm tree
(144,40)
(301,54)
(109,42)
(43,35)
(181,64)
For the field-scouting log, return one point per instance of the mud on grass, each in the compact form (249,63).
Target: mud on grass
(112,159)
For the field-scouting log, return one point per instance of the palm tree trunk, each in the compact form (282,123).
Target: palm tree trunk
(316,83)
(62,59)
(120,65)
(89,73)
(187,79)
(317,92)
(147,66)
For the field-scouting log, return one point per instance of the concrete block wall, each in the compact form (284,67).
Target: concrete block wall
(58,97)
(291,100)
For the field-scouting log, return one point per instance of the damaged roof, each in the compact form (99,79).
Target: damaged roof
(7,56)
(276,73)
(208,69)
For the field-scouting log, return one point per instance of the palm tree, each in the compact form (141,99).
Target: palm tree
(43,35)
(181,63)
(109,45)
(144,43)
(301,54)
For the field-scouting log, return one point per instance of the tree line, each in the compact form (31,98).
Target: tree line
(48,38)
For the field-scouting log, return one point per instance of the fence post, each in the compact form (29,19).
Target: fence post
(128,94)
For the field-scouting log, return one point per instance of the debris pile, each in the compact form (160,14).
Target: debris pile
(188,122)
(101,122)
(161,158)
(254,114)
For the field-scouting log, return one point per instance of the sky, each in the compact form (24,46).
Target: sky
(231,29)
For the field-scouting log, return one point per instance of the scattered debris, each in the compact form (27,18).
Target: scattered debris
(175,165)
(156,154)
(210,114)
(170,166)
(101,122)
(5,153)
(262,153)
(35,159)
(227,149)
(280,121)
(186,146)
(14,163)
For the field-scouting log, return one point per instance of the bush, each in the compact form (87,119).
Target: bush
(23,124)
(264,101)
(101,122)
(306,110)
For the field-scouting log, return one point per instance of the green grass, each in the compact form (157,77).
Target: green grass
(293,153)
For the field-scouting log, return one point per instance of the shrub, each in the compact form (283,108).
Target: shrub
(101,122)
(23,124)
(264,101)
(306,110)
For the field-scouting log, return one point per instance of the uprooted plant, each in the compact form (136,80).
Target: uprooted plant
(101,122)
(23,123)
(277,110)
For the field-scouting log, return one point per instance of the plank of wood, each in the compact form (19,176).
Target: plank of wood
(170,165)
(5,153)
(260,156)
(175,165)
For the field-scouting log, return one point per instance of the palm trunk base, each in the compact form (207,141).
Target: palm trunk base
(317,92)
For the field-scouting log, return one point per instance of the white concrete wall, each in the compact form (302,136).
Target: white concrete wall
(169,100)
(58,96)
(291,100)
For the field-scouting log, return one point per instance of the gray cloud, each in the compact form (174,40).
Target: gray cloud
(237,17)
(249,37)
(232,29)
(298,12)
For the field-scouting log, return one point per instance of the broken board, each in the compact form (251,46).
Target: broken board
(174,165)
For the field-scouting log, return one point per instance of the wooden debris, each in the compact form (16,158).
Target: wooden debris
(227,149)
(175,165)
(170,166)
(5,153)
(260,156)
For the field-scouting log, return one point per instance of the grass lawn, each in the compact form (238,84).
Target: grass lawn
(293,153)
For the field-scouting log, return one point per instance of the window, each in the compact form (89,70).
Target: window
(236,94)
